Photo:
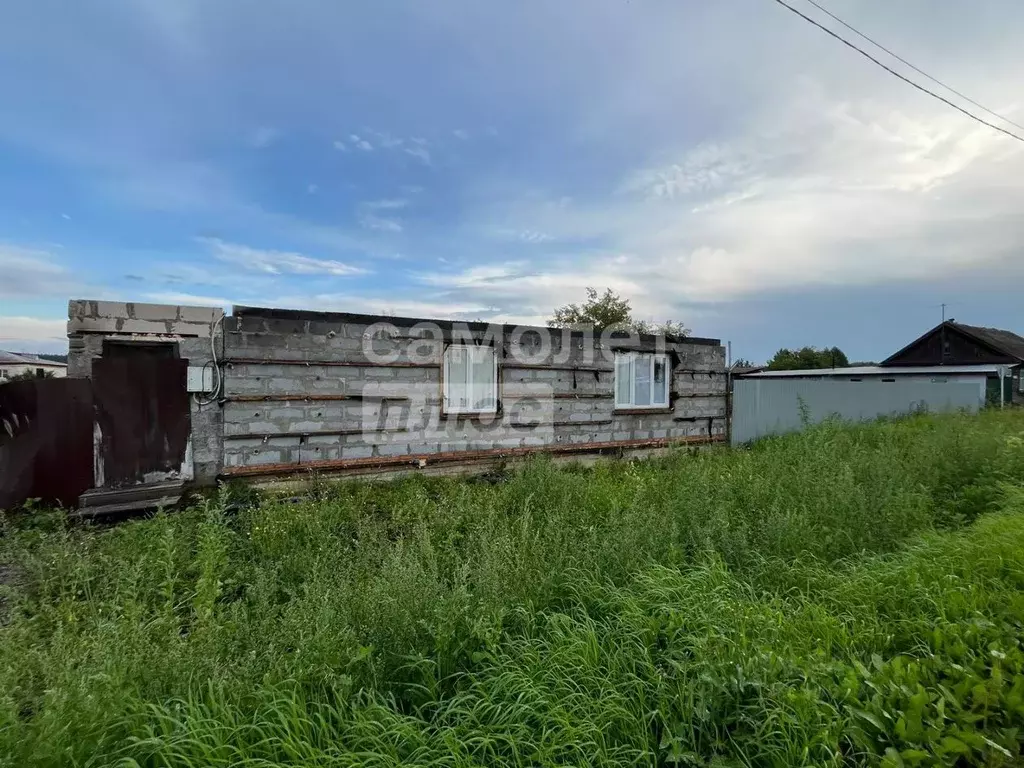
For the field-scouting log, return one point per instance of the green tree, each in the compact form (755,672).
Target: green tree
(29,375)
(609,310)
(807,358)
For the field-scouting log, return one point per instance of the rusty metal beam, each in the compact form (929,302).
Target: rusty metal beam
(543,367)
(306,397)
(425,459)
(335,363)
(312,432)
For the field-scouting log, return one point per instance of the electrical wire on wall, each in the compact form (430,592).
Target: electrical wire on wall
(218,379)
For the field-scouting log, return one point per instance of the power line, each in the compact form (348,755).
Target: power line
(920,71)
(892,71)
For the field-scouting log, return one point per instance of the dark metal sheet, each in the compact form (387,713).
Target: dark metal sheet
(142,412)
(46,428)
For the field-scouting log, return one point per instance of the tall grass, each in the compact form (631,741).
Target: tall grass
(776,606)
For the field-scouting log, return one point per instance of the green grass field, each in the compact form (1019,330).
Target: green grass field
(848,596)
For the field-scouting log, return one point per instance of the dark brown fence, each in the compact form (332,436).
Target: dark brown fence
(46,449)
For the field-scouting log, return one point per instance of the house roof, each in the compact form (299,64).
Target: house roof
(877,370)
(1003,342)
(1007,342)
(10,358)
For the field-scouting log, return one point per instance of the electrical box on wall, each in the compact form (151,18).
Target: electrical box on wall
(199,379)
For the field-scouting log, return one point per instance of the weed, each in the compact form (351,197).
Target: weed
(849,595)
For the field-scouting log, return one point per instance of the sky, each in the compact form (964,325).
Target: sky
(723,164)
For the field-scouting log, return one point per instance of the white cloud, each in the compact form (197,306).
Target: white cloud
(188,299)
(386,140)
(369,218)
(65,217)
(340,146)
(359,143)
(387,204)
(379,305)
(525,235)
(30,273)
(816,193)
(312,189)
(379,223)
(420,152)
(460,134)
(33,334)
(277,262)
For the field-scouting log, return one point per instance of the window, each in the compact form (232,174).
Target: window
(641,380)
(40,373)
(3,373)
(470,379)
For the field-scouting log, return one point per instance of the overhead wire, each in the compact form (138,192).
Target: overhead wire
(892,71)
(917,69)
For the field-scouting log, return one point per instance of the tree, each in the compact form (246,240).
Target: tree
(601,312)
(744,363)
(609,310)
(29,375)
(807,358)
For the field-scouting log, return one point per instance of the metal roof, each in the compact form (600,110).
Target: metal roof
(10,358)
(878,370)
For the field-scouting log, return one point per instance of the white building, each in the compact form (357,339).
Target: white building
(12,365)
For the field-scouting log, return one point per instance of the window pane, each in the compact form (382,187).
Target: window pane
(483,386)
(458,377)
(623,383)
(642,381)
(660,394)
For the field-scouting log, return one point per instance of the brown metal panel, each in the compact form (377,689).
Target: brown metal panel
(46,428)
(142,412)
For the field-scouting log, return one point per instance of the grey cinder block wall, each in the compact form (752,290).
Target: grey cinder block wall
(301,390)
(339,391)
(190,330)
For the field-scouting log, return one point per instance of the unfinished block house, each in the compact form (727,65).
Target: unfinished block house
(187,394)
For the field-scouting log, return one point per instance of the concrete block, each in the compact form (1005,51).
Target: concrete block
(111,309)
(78,308)
(200,330)
(206,315)
(319,453)
(156,312)
(283,386)
(392,449)
(324,440)
(262,456)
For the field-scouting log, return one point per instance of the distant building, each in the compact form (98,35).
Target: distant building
(952,344)
(12,365)
(951,367)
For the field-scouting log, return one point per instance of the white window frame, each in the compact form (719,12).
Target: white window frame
(471,388)
(633,359)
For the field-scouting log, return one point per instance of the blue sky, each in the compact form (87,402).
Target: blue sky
(723,164)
